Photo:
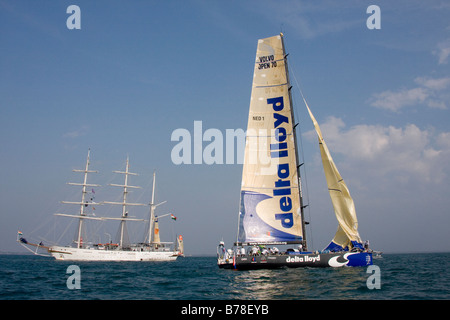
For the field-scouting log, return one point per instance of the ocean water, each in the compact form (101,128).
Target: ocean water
(421,276)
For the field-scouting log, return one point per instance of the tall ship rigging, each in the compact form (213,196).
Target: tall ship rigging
(151,249)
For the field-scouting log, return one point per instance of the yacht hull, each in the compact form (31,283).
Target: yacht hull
(321,260)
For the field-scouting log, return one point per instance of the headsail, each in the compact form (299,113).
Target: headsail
(347,235)
(271,206)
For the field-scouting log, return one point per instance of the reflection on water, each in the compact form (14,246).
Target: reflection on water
(257,284)
(301,283)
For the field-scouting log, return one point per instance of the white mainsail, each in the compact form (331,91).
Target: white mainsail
(271,209)
(347,234)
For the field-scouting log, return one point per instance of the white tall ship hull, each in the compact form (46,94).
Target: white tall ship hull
(79,254)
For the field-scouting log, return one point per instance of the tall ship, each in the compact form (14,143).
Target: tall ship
(271,214)
(150,249)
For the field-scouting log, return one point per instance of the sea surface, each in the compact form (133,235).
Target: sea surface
(421,276)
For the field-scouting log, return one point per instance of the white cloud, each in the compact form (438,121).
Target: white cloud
(443,51)
(430,92)
(82,131)
(433,84)
(387,151)
(443,140)
(394,101)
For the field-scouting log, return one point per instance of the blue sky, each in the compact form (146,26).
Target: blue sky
(138,70)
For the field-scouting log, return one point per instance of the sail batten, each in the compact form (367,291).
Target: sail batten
(273,85)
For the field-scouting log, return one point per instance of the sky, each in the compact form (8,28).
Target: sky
(136,71)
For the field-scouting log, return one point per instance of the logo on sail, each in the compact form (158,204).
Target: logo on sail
(282,187)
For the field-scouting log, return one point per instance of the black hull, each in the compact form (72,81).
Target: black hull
(322,260)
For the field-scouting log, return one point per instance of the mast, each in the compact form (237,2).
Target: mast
(294,134)
(153,206)
(152,211)
(124,203)
(83,204)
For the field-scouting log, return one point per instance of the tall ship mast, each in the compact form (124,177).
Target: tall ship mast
(84,204)
(123,233)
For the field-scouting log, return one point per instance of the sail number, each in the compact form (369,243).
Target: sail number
(258,118)
(266,62)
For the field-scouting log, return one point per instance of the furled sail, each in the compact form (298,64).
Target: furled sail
(270,210)
(156,237)
(347,235)
(180,245)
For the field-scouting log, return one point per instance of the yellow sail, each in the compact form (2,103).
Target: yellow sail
(347,235)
